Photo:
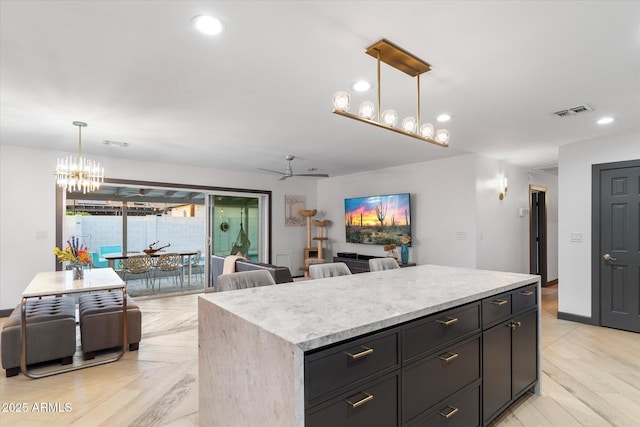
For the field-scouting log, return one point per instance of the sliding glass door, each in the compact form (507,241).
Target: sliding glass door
(238,225)
(128,217)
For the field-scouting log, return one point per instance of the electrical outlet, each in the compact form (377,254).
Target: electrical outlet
(42,235)
(576,237)
(461,235)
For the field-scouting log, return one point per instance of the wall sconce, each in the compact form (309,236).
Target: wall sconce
(502,187)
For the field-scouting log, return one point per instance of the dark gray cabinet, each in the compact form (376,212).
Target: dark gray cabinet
(509,353)
(458,367)
(372,404)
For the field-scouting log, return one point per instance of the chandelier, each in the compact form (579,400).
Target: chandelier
(387,52)
(77,173)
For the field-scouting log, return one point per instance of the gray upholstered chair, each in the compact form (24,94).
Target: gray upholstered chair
(244,279)
(379,264)
(331,269)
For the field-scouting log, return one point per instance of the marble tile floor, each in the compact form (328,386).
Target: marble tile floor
(163,285)
(591,377)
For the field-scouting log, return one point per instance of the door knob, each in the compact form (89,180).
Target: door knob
(608,258)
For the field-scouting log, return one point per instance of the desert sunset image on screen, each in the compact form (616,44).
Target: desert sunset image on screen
(378,220)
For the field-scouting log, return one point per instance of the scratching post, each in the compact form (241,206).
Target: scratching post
(309,252)
(320,239)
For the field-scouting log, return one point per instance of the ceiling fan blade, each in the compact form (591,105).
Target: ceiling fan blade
(272,171)
(319,175)
(285,177)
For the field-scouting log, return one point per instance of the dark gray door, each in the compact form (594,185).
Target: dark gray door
(538,234)
(619,251)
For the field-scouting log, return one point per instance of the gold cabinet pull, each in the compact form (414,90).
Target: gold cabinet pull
(525,293)
(367,351)
(451,412)
(514,325)
(448,357)
(368,398)
(448,321)
(498,302)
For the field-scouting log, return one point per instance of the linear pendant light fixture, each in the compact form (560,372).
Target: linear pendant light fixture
(398,58)
(77,173)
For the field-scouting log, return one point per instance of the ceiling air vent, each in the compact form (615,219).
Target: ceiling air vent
(573,111)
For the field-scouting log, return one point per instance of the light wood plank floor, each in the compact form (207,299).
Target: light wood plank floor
(591,377)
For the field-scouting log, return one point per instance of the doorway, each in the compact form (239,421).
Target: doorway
(538,232)
(616,245)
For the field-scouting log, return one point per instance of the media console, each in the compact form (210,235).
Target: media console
(360,263)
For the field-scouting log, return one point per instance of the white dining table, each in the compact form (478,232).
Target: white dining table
(54,283)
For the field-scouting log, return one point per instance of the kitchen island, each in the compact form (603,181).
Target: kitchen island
(309,353)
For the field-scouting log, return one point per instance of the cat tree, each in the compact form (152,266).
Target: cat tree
(314,255)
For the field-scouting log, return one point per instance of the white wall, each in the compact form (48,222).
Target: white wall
(27,208)
(574,214)
(503,235)
(442,193)
(457,217)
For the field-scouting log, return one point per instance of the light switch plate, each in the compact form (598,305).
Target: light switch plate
(576,237)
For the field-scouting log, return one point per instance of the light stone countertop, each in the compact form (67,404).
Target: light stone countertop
(314,313)
(62,282)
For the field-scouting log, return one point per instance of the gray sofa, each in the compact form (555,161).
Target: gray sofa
(280,274)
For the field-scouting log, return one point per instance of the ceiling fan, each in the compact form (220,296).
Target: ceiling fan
(140,193)
(288,172)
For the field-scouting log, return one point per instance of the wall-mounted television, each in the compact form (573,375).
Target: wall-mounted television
(378,220)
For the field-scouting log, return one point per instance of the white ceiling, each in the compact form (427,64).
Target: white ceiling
(138,72)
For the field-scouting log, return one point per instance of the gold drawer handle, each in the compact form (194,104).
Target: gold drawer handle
(449,358)
(368,398)
(525,293)
(498,302)
(449,321)
(514,325)
(364,353)
(451,413)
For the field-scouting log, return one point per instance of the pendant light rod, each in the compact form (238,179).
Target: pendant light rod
(418,115)
(80,126)
(379,89)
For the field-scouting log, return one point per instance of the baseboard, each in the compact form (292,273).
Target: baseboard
(552,282)
(6,312)
(576,318)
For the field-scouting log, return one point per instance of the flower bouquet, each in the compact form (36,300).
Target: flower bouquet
(391,251)
(77,255)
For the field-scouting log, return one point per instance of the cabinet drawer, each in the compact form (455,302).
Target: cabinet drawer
(346,364)
(434,331)
(496,308)
(432,379)
(372,404)
(461,410)
(524,298)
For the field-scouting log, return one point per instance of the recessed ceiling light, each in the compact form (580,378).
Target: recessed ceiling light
(361,86)
(605,121)
(443,118)
(207,24)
